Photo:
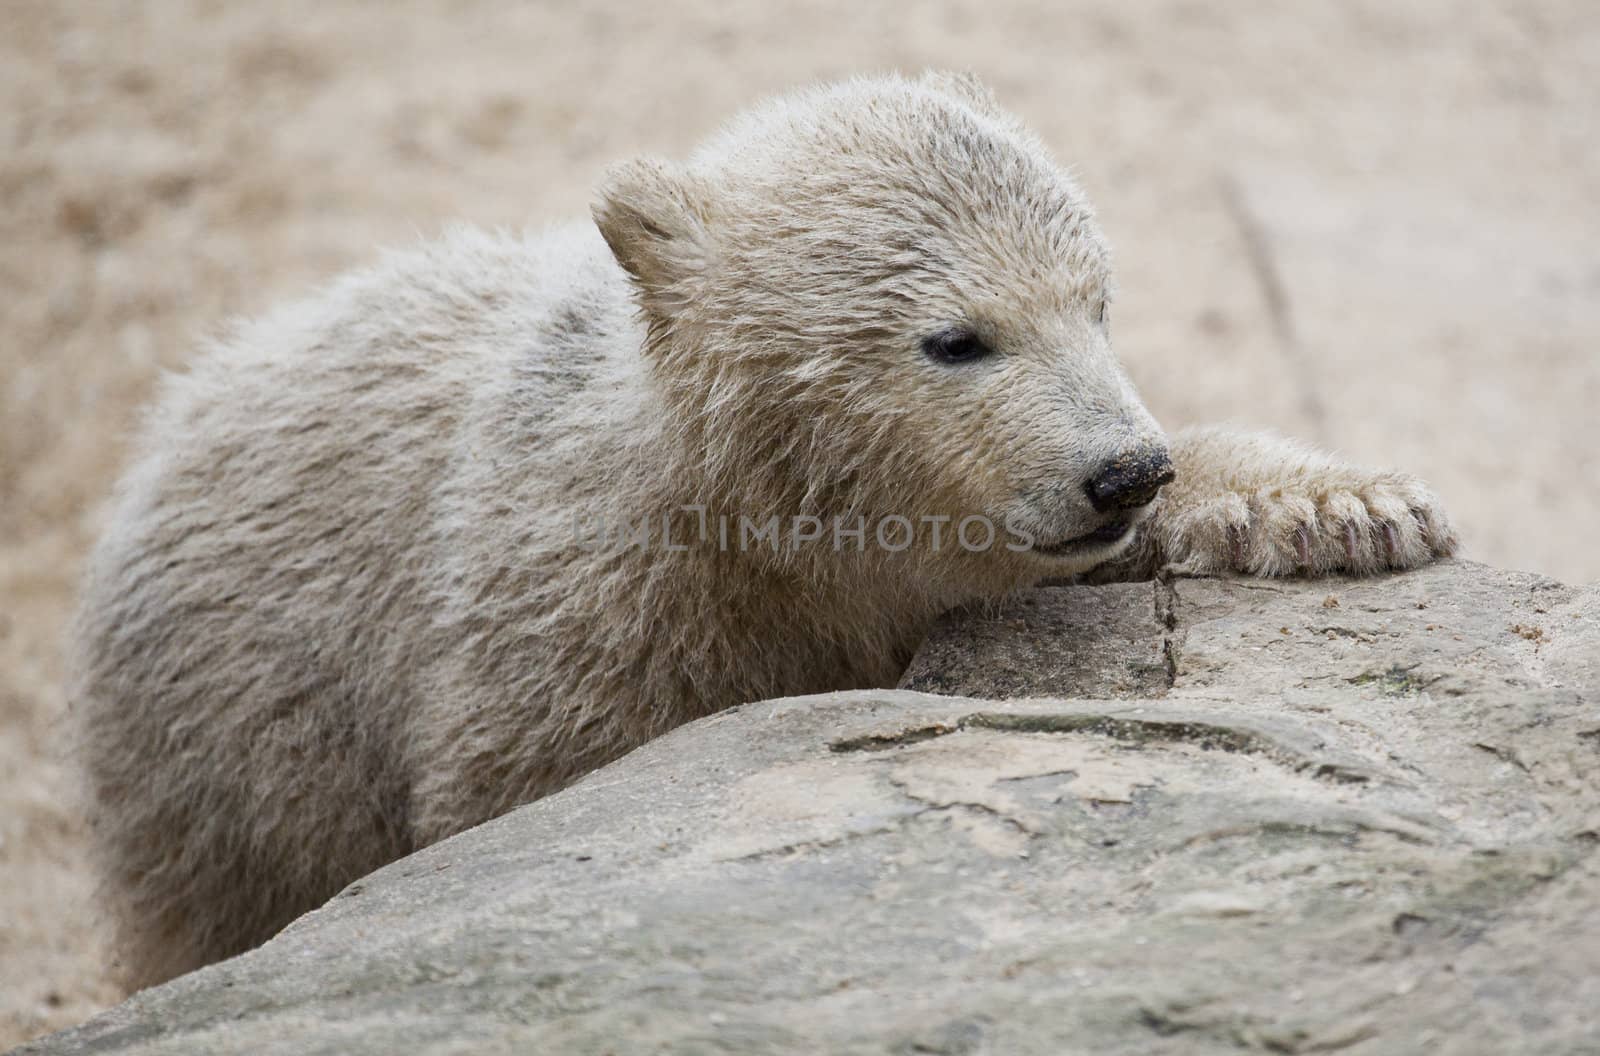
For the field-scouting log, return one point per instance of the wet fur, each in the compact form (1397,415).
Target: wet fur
(339,612)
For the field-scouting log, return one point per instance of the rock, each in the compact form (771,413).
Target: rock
(1280,817)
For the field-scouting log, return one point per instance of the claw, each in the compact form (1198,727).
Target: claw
(1302,546)
(1391,541)
(1350,541)
(1236,546)
(1422,526)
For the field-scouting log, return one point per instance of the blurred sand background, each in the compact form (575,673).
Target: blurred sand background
(1373,225)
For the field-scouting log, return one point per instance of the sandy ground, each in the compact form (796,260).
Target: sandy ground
(1373,225)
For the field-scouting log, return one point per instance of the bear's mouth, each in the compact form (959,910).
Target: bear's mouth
(1108,534)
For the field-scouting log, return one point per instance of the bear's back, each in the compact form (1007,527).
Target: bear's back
(268,570)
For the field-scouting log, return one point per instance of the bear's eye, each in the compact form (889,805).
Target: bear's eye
(954,346)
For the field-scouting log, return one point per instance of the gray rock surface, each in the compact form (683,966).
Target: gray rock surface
(1281,817)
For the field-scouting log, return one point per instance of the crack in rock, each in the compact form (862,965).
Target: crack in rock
(986,809)
(803,846)
(1241,736)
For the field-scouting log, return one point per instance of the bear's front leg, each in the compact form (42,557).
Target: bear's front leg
(1263,505)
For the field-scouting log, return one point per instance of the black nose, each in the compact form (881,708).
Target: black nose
(1131,479)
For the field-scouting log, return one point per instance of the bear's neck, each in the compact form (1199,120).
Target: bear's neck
(751,599)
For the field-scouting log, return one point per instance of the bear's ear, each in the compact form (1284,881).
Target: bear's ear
(967,87)
(653,217)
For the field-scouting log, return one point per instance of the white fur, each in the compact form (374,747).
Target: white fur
(340,612)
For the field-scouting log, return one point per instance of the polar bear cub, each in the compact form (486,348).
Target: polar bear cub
(472,523)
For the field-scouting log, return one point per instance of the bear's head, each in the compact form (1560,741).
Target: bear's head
(883,298)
